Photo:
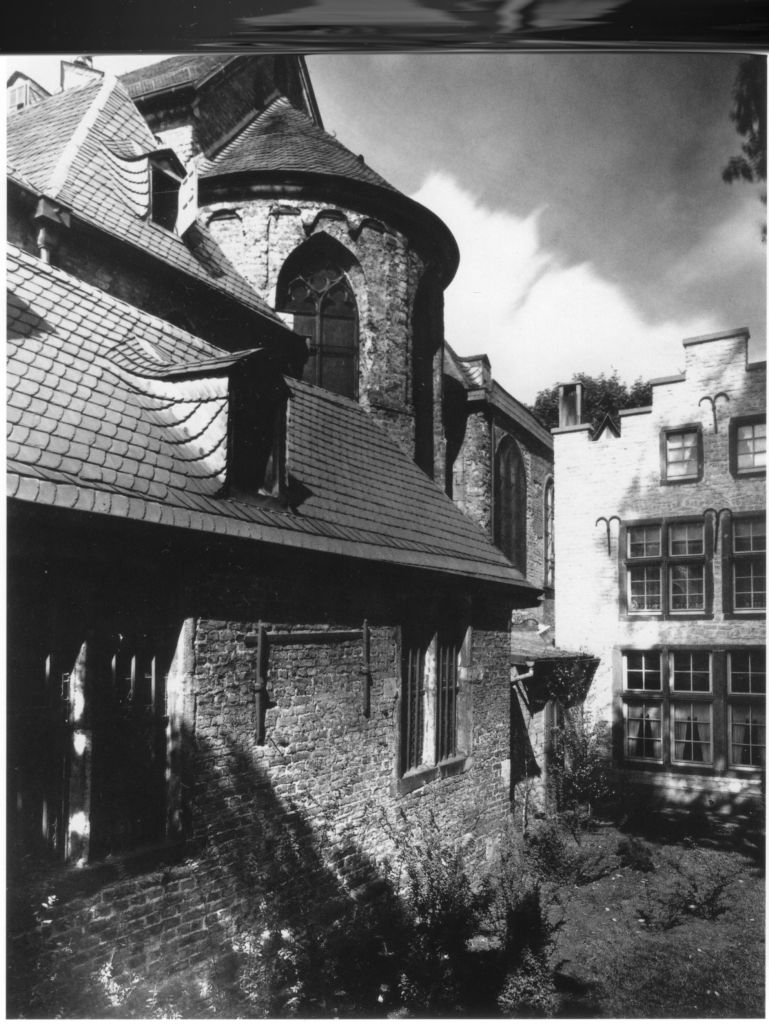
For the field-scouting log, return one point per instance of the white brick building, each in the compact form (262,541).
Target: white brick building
(660,571)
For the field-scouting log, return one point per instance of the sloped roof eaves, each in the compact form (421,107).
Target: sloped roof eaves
(71,494)
(76,423)
(511,407)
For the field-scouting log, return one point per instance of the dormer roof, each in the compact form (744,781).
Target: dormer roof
(115,412)
(89,150)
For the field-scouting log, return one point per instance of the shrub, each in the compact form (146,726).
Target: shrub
(697,890)
(558,857)
(581,766)
(442,912)
(633,853)
(528,989)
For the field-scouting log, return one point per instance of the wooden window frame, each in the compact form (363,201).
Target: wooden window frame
(446,721)
(734,424)
(310,322)
(665,562)
(719,699)
(516,551)
(665,434)
(730,559)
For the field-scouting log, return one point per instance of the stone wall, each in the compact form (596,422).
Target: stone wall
(274,828)
(259,235)
(474,490)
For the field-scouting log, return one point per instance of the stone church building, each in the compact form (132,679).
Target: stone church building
(250,632)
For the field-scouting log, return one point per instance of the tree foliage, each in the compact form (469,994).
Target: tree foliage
(749,116)
(600,395)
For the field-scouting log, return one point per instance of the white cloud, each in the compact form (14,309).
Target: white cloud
(538,320)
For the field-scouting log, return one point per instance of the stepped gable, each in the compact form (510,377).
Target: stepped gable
(116,412)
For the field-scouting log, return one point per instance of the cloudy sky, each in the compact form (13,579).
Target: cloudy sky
(584,191)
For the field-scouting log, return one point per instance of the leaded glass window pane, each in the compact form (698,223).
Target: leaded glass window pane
(645,588)
(747,736)
(643,731)
(644,541)
(751,446)
(686,539)
(687,588)
(691,671)
(682,454)
(692,739)
(747,671)
(643,670)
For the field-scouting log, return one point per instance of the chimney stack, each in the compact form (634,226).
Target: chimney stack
(570,404)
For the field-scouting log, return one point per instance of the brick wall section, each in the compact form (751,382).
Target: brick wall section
(620,476)
(259,235)
(302,818)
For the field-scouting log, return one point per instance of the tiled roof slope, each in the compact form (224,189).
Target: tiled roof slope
(92,429)
(173,73)
(79,147)
(285,140)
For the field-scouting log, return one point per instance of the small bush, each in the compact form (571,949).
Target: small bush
(697,890)
(529,989)
(634,854)
(581,763)
(557,856)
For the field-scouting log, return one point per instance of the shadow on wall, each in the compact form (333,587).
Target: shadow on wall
(274,915)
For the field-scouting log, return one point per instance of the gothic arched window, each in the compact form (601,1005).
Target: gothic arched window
(316,290)
(510,503)
(549,535)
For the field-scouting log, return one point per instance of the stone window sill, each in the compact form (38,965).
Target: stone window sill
(419,777)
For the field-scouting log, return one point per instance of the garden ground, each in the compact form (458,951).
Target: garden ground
(675,927)
(580,917)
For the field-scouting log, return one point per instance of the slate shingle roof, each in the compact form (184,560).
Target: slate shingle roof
(96,423)
(173,73)
(80,147)
(284,140)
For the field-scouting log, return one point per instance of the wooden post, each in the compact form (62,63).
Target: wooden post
(366,670)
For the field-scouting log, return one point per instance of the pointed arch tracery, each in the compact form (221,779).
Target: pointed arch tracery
(314,285)
(510,502)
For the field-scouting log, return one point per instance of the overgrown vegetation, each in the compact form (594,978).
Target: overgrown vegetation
(550,928)
(580,768)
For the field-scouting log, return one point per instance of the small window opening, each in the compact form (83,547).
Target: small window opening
(164,197)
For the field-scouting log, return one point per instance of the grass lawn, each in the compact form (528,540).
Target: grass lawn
(683,938)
